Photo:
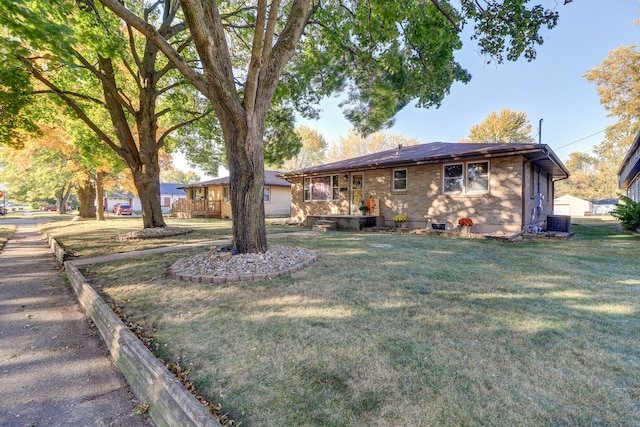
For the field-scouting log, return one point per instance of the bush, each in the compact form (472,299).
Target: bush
(628,212)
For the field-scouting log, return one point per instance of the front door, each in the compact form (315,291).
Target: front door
(357,192)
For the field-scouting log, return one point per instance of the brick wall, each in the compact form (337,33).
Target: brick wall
(502,208)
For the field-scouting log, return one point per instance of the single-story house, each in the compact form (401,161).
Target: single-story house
(500,187)
(210,199)
(169,193)
(629,172)
(603,206)
(114,198)
(571,205)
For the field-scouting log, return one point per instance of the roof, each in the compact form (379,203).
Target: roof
(569,198)
(441,152)
(630,166)
(171,189)
(270,179)
(604,201)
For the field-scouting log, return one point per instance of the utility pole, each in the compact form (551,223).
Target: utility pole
(540,132)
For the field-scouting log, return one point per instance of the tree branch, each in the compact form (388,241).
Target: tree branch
(256,59)
(181,125)
(447,15)
(107,84)
(67,100)
(75,94)
(150,32)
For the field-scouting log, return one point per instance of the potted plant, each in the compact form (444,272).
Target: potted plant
(465,225)
(400,220)
(363,208)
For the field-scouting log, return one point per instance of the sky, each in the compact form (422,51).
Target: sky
(551,87)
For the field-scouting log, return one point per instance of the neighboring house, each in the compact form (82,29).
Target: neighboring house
(169,193)
(603,206)
(113,199)
(571,205)
(501,187)
(211,199)
(629,172)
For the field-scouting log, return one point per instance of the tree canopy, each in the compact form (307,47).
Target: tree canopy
(506,127)
(617,80)
(312,153)
(382,54)
(355,144)
(110,79)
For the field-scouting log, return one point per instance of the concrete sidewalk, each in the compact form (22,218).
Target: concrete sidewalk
(54,368)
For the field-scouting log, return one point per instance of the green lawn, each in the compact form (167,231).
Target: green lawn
(408,330)
(6,232)
(89,238)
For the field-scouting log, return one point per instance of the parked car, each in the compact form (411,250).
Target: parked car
(49,208)
(124,210)
(115,207)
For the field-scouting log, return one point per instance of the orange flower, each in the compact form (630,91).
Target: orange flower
(465,221)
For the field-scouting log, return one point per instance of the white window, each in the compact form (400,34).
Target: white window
(225,194)
(466,178)
(400,180)
(267,194)
(322,188)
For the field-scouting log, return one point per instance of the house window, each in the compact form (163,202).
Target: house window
(400,180)
(167,202)
(469,178)
(225,194)
(197,193)
(322,188)
(453,178)
(267,194)
(477,177)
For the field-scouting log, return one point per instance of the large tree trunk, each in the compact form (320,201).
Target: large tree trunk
(100,205)
(62,198)
(87,198)
(246,173)
(141,156)
(148,186)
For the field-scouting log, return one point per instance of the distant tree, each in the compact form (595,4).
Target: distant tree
(506,127)
(617,79)
(355,144)
(104,74)
(43,169)
(176,176)
(589,178)
(312,153)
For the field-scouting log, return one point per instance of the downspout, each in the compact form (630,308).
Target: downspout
(523,196)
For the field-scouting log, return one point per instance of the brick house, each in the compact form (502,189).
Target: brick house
(210,199)
(629,172)
(501,187)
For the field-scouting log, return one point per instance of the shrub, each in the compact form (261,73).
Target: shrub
(628,212)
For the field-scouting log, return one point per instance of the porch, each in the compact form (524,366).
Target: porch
(344,222)
(197,209)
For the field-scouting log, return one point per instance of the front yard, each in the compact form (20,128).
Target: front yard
(406,330)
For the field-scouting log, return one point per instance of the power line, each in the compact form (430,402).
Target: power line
(581,139)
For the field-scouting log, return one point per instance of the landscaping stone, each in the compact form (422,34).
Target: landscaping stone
(223,267)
